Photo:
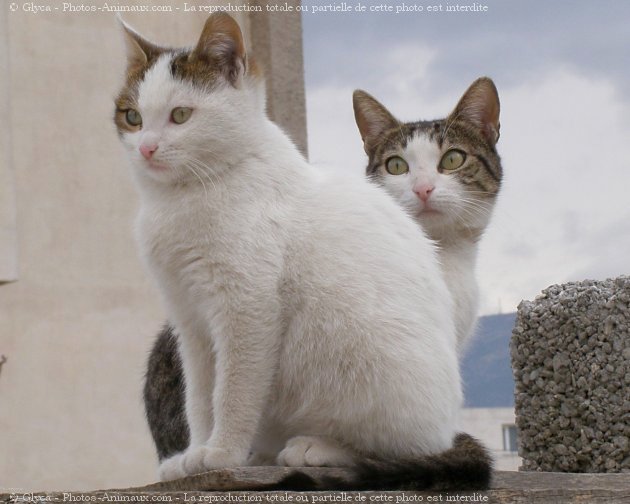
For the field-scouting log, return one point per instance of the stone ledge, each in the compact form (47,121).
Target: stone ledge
(241,483)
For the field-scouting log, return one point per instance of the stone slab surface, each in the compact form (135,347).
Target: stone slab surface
(248,485)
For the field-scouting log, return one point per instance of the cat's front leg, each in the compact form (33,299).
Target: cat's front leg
(246,349)
(198,364)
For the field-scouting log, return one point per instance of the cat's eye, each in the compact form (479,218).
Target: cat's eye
(180,115)
(133,117)
(396,166)
(452,160)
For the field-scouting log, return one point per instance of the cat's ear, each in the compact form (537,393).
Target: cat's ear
(480,106)
(139,50)
(221,45)
(372,118)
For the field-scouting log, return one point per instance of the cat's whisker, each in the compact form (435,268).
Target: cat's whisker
(189,165)
(199,172)
(473,211)
(472,202)
(194,172)
(461,217)
(205,170)
(477,206)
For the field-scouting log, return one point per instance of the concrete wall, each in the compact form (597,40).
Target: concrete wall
(77,324)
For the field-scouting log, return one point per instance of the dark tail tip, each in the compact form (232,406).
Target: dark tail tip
(467,465)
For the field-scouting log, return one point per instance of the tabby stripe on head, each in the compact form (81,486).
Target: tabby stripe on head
(488,168)
(481,185)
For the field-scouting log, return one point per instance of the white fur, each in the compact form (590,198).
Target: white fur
(448,216)
(309,306)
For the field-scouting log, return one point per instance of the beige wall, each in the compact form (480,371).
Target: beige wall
(8,236)
(486,424)
(77,324)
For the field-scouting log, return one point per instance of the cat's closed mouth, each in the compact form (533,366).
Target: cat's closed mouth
(429,211)
(156,166)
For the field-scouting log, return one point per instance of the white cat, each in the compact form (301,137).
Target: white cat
(314,321)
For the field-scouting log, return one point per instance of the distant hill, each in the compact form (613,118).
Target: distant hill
(486,370)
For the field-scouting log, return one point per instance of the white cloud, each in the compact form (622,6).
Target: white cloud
(333,138)
(567,170)
(564,211)
(398,83)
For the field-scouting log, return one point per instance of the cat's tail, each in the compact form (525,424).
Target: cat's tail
(467,465)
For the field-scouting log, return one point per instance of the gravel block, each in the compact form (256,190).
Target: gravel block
(570,353)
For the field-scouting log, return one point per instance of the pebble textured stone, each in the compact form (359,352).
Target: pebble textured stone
(571,359)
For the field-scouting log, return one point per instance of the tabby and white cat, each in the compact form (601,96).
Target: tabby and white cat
(314,320)
(445,173)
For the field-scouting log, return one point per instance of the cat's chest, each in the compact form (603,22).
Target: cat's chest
(182,237)
(197,240)
(458,266)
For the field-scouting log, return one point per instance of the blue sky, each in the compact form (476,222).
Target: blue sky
(563,73)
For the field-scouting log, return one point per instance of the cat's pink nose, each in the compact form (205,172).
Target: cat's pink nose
(147,150)
(423,191)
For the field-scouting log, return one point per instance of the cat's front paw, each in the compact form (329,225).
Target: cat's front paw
(205,458)
(311,451)
(172,468)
